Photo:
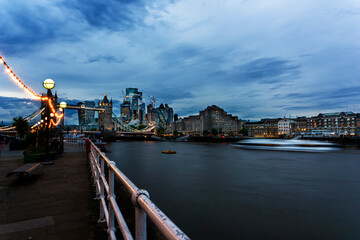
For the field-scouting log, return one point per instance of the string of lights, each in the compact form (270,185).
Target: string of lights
(20,83)
(17,80)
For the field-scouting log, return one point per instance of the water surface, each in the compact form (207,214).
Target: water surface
(214,191)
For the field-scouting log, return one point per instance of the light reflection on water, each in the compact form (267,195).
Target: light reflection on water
(214,191)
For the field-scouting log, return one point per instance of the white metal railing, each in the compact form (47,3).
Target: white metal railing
(110,211)
(77,142)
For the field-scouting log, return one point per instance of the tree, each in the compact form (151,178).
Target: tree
(160,131)
(214,132)
(244,131)
(22,126)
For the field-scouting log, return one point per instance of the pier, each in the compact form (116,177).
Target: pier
(73,198)
(51,205)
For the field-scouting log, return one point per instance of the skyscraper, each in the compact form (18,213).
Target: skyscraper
(86,117)
(164,115)
(133,96)
(125,111)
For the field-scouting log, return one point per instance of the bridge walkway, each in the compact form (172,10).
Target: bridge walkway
(52,205)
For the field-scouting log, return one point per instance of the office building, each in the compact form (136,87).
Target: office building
(86,117)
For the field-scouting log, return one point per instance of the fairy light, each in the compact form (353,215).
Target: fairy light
(17,80)
(13,76)
(57,123)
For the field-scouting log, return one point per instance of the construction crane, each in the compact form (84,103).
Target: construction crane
(123,95)
(152,100)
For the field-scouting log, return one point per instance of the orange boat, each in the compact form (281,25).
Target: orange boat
(169,152)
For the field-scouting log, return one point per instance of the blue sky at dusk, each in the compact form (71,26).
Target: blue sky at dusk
(253,58)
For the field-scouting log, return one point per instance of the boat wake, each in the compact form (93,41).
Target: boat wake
(287,145)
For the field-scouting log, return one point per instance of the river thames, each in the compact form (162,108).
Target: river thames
(214,191)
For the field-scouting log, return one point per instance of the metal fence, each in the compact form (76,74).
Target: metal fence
(110,211)
(77,142)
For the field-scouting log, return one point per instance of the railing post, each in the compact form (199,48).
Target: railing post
(97,161)
(102,195)
(140,216)
(111,223)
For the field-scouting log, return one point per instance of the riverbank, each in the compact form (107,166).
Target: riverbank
(217,139)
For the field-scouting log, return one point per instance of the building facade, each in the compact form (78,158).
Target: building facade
(133,96)
(339,123)
(212,117)
(86,117)
(125,111)
(286,126)
(267,127)
(164,115)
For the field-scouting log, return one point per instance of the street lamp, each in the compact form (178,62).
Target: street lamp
(63,105)
(48,84)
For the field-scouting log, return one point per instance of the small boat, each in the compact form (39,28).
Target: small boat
(287,145)
(168,152)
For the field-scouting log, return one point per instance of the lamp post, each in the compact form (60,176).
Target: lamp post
(63,105)
(48,84)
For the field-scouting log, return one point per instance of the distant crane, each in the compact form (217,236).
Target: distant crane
(123,95)
(286,113)
(152,100)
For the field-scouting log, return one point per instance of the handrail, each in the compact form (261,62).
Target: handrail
(111,213)
(78,142)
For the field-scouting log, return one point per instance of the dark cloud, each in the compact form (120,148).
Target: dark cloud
(262,70)
(351,93)
(109,14)
(191,56)
(30,25)
(104,58)
(266,70)
(168,95)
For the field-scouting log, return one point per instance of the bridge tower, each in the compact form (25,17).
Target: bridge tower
(105,117)
(54,101)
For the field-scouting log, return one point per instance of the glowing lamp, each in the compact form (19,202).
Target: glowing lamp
(52,115)
(49,84)
(1,60)
(63,105)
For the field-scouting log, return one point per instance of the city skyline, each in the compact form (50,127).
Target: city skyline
(254,59)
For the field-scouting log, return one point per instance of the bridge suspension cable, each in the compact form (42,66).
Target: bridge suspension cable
(28,119)
(118,121)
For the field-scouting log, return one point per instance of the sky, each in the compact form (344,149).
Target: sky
(253,58)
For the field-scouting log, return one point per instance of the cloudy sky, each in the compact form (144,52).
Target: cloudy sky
(254,58)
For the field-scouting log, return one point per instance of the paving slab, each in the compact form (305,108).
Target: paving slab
(51,205)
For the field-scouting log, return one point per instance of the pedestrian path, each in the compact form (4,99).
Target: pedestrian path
(52,205)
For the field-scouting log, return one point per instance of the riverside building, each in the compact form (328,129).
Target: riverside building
(339,123)
(213,117)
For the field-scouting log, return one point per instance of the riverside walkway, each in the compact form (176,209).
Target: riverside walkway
(52,205)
